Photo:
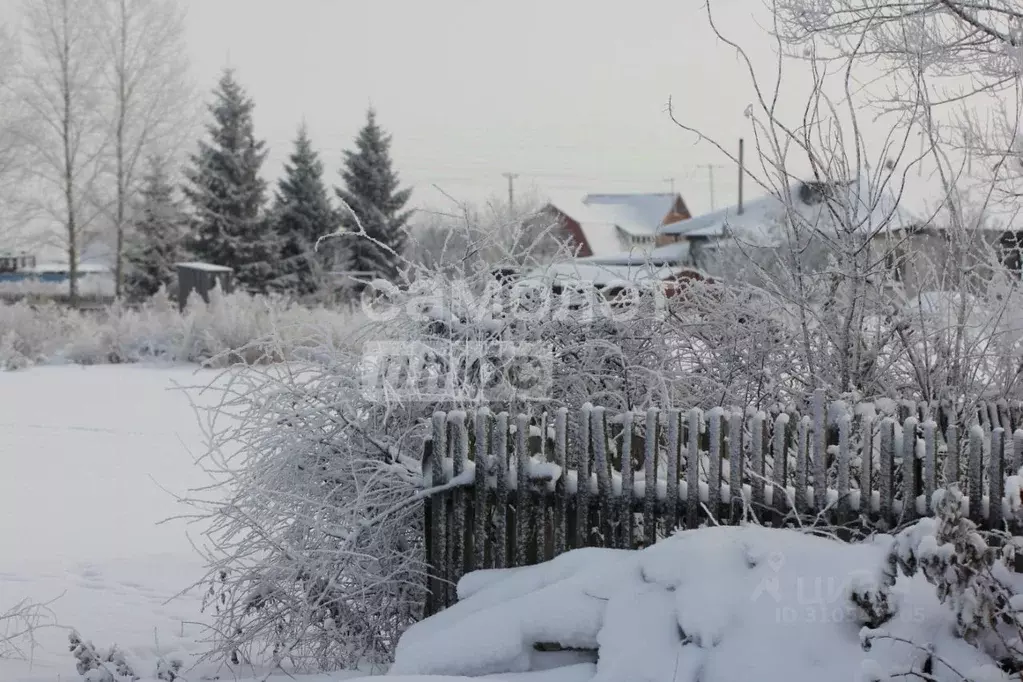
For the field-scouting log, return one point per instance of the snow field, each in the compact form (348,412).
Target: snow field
(91,459)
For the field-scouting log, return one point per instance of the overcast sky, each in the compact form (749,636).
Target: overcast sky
(569,94)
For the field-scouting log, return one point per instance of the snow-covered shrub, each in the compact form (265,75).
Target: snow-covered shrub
(94,665)
(232,328)
(973,574)
(315,535)
(169,669)
(18,626)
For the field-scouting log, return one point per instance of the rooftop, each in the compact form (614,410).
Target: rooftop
(763,219)
(609,220)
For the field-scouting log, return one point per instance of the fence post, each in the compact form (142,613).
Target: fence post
(909,482)
(886,462)
(479,518)
(802,483)
(432,581)
(780,463)
(625,503)
(671,480)
(582,498)
(996,479)
(460,452)
(952,465)
(561,492)
(930,464)
(757,438)
(976,474)
(650,478)
(736,465)
(598,432)
(693,470)
(522,501)
(501,472)
(844,485)
(438,509)
(714,470)
(820,452)
(866,466)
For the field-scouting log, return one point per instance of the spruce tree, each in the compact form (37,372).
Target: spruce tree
(228,194)
(302,213)
(372,191)
(157,234)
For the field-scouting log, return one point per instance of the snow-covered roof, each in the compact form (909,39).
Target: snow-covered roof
(607,219)
(207,267)
(637,214)
(762,216)
(602,238)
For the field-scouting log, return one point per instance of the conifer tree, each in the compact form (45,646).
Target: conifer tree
(227,193)
(372,192)
(157,235)
(302,213)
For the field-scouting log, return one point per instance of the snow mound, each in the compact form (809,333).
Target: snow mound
(715,605)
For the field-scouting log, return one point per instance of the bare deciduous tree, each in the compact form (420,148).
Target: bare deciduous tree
(868,296)
(487,234)
(957,62)
(59,84)
(14,208)
(151,99)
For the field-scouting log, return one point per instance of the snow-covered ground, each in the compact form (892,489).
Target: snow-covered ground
(90,460)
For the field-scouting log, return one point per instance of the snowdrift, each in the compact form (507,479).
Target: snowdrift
(714,605)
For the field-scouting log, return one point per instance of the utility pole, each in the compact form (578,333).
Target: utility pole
(672,181)
(511,191)
(710,176)
(742,172)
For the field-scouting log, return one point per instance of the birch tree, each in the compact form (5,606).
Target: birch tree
(14,167)
(59,85)
(151,98)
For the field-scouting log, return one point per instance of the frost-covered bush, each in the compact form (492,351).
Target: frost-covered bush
(315,533)
(231,328)
(112,664)
(973,574)
(18,626)
(99,666)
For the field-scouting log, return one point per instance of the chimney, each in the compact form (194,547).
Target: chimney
(742,169)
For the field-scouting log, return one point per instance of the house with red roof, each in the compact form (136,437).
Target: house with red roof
(607,224)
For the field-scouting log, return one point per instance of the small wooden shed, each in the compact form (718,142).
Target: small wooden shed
(202,277)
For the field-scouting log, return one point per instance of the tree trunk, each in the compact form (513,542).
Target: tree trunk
(69,170)
(122,189)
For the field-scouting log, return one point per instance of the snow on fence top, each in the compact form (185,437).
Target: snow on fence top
(586,475)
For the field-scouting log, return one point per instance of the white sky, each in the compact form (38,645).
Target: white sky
(570,94)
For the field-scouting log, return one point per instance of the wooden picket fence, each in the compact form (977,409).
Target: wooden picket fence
(526,503)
